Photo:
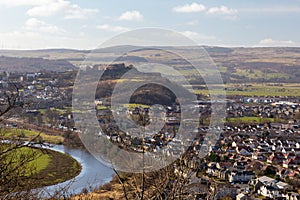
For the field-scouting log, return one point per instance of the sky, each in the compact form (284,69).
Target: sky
(85,24)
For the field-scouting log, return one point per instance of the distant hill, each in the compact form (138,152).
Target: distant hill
(239,64)
(14,64)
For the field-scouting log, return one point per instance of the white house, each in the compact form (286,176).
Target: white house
(271,188)
(241,196)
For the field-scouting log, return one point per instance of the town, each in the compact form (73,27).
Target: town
(257,154)
(149,100)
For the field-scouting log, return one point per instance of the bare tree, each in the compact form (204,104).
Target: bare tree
(171,182)
(17,171)
(9,164)
(15,168)
(15,155)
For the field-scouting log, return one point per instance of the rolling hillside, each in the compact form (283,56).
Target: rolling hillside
(272,64)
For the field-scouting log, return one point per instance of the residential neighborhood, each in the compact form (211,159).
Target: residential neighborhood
(257,153)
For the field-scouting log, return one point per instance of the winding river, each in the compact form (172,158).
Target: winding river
(92,175)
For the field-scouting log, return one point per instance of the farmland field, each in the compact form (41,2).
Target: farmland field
(257,90)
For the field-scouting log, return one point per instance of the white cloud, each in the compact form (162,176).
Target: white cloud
(34,24)
(268,42)
(189,8)
(222,10)
(51,7)
(197,36)
(131,16)
(225,12)
(107,27)
(76,12)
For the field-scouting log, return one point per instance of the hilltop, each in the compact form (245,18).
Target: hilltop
(26,64)
(270,64)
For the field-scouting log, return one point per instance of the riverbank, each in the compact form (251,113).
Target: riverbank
(61,167)
(108,191)
(30,135)
(91,175)
(32,167)
(132,183)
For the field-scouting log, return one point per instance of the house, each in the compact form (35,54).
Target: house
(241,196)
(275,125)
(224,174)
(290,155)
(255,166)
(297,159)
(271,188)
(270,192)
(240,176)
(240,164)
(224,165)
(259,156)
(31,76)
(212,169)
(244,150)
(290,163)
(276,158)
(292,196)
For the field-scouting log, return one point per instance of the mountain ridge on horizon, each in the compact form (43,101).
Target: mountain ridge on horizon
(134,46)
(281,62)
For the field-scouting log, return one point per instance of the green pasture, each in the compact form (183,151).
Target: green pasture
(248,120)
(30,134)
(255,90)
(33,158)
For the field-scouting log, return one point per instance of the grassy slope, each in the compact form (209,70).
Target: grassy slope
(40,162)
(61,168)
(30,134)
(47,167)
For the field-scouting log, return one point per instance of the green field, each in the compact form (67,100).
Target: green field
(248,120)
(99,107)
(259,74)
(39,160)
(134,105)
(255,90)
(30,134)
(36,167)
(58,110)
